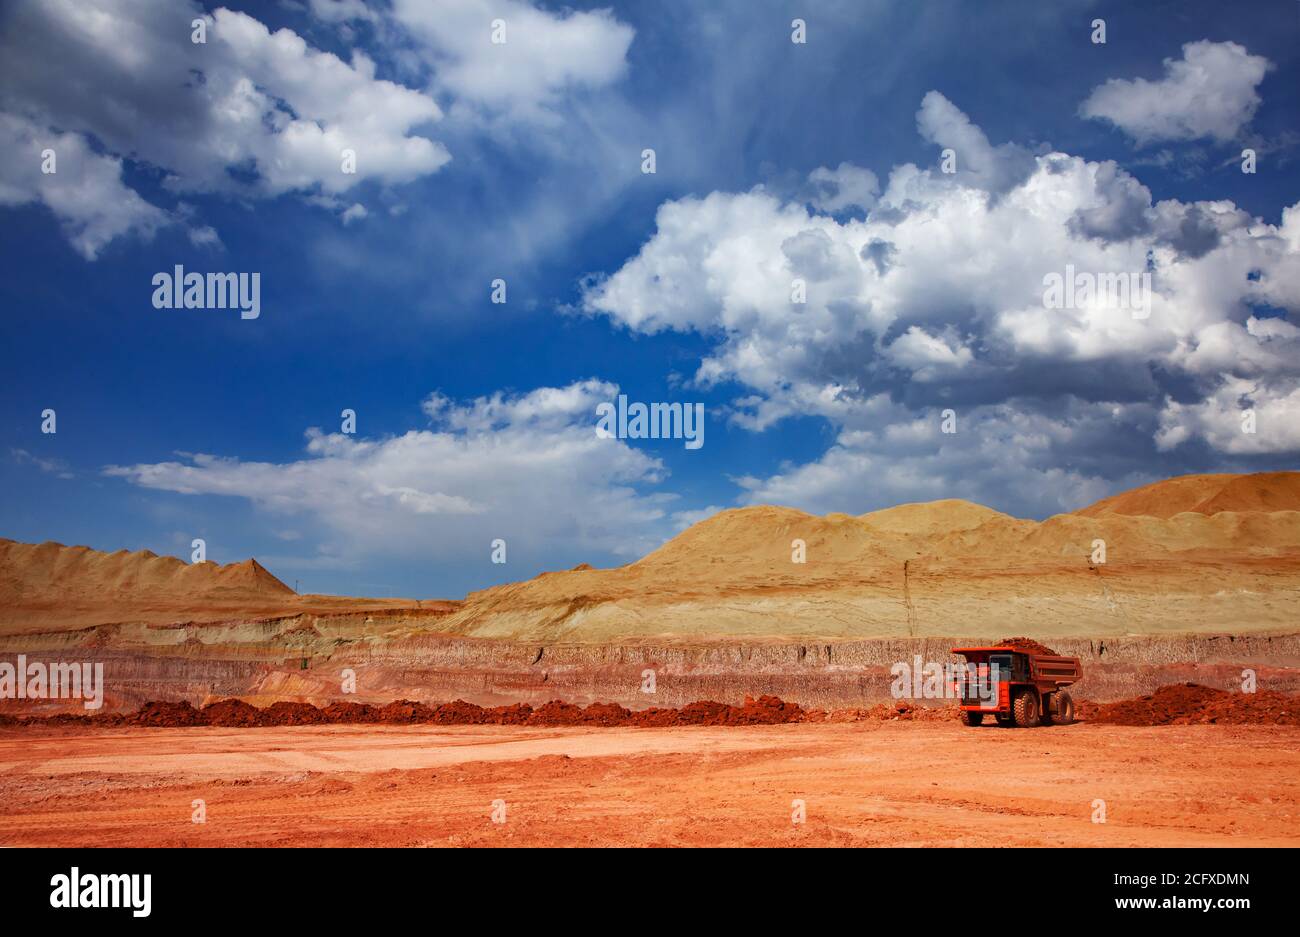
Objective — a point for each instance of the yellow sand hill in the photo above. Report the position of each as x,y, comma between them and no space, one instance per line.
1206,553
51,586
80,573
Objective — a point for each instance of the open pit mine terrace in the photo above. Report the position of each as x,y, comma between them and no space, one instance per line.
300,659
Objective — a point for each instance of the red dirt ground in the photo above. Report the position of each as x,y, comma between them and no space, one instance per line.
870,783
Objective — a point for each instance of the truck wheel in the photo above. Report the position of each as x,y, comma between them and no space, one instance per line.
1064,709
1026,710
972,718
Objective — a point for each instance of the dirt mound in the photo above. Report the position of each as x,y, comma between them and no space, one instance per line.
403,711
1205,494
346,713
156,713
557,713
766,710
515,714
232,713
1029,645
294,714
703,713
460,713
1193,704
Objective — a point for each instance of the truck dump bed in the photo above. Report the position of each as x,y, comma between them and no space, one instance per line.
1059,670
1049,671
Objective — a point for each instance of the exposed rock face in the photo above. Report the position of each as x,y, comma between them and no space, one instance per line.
434,668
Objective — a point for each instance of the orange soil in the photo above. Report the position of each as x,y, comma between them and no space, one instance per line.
863,784
1205,494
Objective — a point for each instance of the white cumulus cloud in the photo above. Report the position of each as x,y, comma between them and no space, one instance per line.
446,491
85,191
544,55
1211,92
942,285
248,112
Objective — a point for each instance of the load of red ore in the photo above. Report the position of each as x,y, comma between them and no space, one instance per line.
1028,645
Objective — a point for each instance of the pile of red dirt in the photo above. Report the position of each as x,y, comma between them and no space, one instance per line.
516,714
157,713
234,713
1193,704
460,713
339,712
1028,645
703,713
294,714
557,713
404,711
766,710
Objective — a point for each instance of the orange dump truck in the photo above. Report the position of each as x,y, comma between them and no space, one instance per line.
1018,687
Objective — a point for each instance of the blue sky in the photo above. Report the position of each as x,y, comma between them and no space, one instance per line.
523,161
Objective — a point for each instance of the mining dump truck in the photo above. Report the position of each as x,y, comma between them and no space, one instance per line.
1016,686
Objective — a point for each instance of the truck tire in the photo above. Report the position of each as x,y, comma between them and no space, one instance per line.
972,718
1025,710
1064,709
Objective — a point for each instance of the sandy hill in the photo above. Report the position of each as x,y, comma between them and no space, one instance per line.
41,570
1190,554
1205,494
932,517
50,585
